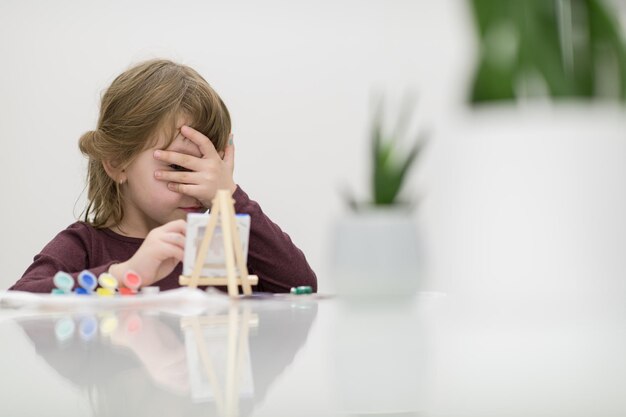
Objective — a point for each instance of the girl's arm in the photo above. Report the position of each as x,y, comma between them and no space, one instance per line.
272,256
82,247
70,251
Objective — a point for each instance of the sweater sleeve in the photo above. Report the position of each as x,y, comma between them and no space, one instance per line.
68,251
272,256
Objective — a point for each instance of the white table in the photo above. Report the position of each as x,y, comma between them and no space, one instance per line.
433,355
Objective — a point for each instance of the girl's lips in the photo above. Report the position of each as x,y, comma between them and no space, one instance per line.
191,209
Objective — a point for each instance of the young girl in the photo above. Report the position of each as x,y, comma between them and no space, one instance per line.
162,148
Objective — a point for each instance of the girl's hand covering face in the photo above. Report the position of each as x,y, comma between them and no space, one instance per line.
198,177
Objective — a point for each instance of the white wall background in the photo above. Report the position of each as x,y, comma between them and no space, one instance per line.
298,77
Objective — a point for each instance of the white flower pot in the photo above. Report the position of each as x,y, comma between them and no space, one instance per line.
375,252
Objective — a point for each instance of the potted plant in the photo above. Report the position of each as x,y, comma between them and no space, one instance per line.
375,248
377,268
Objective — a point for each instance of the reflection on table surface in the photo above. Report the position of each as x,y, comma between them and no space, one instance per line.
431,355
135,362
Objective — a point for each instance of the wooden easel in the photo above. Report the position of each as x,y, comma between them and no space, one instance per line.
223,210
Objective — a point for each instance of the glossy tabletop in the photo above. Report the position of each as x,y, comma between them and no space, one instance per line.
429,355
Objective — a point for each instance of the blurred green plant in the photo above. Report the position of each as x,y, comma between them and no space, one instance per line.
391,162
548,48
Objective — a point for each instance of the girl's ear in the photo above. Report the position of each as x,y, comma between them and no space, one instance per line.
114,172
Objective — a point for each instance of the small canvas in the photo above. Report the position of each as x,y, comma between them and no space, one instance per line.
215,261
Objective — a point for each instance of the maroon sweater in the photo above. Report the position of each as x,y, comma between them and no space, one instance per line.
272,256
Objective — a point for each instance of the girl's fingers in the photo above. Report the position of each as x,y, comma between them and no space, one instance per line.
173,251
178,226
192,190
199,192
176,239
229,154
171,247
183,177
207,149
190,162
178,188
178,253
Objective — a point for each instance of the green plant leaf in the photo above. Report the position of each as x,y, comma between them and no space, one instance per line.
570,47
411,158
389,168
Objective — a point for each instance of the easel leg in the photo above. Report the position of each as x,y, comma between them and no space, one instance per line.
241,262
233,289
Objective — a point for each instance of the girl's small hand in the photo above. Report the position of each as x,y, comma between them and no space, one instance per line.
157,256
202,176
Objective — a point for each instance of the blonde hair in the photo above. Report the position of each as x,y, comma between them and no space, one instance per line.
140,102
